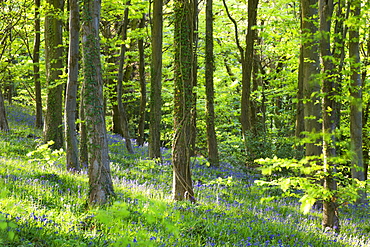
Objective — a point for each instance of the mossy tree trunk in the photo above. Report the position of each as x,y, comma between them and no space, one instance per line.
54,65
72,86
183,99
100,181
156,82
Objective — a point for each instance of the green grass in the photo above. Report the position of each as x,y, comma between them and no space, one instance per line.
43,205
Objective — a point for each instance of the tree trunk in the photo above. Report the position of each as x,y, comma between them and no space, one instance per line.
247,64
193,124
183,99
210,94
36,66
330,219
71,92
121,109
54,65
155,114
3,120
366,112
310,72
299,125
83,158
357,169
246,57
141,127
100,181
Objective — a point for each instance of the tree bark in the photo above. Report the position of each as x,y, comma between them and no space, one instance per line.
3,120
246,58
36,66
54,65
310,72
121,109
299,125
357,169
83,152
330,219
155,114
193,124
72,161
141,126
100,181
183,99
210,94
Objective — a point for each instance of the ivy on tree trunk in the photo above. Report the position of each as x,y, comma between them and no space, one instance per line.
183,100
100,181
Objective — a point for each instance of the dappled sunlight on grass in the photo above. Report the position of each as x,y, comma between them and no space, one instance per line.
43,205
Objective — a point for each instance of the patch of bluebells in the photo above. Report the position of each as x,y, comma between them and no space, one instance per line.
17,114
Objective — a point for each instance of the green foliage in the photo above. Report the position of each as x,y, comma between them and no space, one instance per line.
306,175
44,154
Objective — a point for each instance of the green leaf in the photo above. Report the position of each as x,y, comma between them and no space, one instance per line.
3,225
307,203
11,235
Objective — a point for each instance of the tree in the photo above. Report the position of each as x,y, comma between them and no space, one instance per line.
54,65
193,121
310,71
156,81
100,181
246,58
71,91
121,110
36,66
141,125
183,99
357,169
330,208
209,68
3,120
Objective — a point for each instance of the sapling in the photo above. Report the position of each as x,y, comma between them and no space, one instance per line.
306,184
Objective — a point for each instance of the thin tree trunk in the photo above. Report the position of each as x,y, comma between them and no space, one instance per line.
193,124
36,66
100,181
121,109
3,120
330,219
54,65
155,114
141,127
183,99
310,72
246,57
210,94
357,170
299,125
365,112
71,92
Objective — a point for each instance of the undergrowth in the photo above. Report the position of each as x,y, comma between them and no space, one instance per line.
43,205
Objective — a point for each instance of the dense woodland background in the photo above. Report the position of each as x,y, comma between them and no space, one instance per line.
275,89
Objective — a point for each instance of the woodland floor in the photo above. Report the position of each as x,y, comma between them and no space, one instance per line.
43,205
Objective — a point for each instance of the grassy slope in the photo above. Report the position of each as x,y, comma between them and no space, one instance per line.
42,205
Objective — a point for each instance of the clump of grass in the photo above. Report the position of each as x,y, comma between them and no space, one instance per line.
43,205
